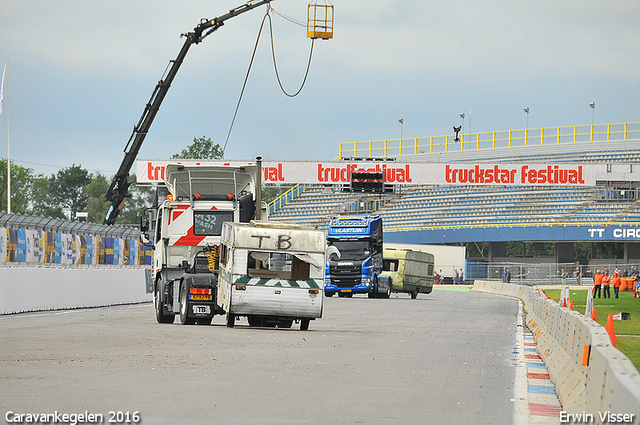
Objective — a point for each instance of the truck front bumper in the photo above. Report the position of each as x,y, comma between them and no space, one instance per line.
330,289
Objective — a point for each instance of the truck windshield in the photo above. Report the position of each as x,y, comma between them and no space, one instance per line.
209,223
354,249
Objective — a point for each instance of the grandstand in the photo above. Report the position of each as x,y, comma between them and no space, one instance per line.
434,213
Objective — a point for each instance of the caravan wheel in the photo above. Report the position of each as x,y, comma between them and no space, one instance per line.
231,320
304,324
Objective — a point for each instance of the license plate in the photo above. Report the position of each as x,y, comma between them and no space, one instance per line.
201,309
201,297
345,290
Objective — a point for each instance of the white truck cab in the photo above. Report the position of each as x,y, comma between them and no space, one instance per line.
186,236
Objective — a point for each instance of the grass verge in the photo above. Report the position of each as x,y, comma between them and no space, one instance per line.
630,345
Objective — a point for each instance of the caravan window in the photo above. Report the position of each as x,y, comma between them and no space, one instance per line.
390,265
276,265
224,253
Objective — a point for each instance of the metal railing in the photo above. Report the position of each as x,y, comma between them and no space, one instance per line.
286,197
491,140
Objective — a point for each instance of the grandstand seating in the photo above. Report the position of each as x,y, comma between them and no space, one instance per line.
467,206
458,206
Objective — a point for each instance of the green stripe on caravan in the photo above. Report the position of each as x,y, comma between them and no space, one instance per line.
247,280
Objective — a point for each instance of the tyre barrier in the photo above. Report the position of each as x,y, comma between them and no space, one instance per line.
591,376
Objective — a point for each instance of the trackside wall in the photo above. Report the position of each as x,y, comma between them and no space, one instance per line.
589,373
24,289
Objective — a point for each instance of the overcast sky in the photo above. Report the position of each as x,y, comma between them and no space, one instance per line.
81,72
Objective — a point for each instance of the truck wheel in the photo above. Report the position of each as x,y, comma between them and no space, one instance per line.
388,293
304,324
231,320
329,294
184,308
157,303
414,294
374,288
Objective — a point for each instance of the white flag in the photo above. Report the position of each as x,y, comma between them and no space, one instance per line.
2,88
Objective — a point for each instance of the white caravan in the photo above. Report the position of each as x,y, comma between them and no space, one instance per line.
272,273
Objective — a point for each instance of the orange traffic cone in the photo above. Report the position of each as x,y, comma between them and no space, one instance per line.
594,316
610,330
564,302
571,305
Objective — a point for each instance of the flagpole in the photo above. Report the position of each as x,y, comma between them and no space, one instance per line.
8,144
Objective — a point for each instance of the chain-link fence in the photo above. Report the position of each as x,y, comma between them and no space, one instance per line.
546,273
57,225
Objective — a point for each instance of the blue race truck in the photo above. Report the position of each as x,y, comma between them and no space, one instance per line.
355,262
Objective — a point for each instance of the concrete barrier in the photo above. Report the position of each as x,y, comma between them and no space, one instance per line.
24,289
590,374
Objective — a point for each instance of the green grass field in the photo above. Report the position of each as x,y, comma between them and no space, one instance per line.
629,345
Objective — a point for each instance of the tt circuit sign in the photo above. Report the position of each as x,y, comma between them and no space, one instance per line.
291,172
613,233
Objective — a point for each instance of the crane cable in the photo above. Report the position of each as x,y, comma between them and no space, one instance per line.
244,85
275,65
273,54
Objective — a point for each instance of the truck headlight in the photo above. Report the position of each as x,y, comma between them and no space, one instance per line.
327,281
366,281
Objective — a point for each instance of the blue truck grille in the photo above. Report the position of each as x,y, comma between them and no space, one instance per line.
345,276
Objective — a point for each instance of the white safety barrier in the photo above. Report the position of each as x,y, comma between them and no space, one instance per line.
24,289
589,373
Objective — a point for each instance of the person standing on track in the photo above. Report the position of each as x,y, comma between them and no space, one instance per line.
606,281
616,281
597,283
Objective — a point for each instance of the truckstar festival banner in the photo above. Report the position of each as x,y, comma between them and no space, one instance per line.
468,173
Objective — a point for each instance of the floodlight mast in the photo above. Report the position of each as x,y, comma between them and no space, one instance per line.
118,191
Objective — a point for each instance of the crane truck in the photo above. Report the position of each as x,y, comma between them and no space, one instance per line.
118,190
185,232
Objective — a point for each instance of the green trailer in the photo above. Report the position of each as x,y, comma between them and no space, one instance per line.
409,271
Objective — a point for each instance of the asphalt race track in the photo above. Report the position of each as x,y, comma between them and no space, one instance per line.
443,358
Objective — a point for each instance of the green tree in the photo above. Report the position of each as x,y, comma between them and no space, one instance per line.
97,207
141,198
201,148
42,202
68,189
21,182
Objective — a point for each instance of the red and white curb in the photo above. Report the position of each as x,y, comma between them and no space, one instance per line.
536,401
